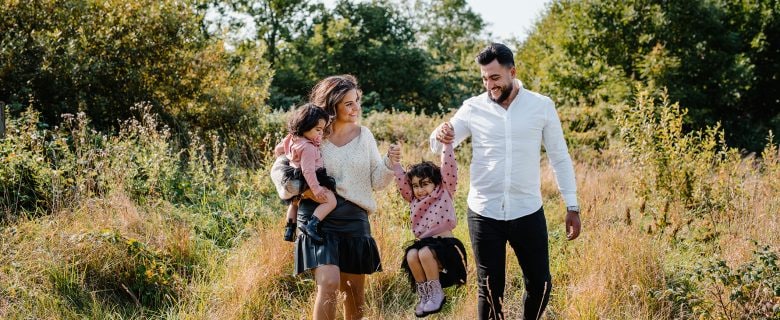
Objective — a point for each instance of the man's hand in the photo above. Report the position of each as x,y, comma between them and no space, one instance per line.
394,153
446,133
573,225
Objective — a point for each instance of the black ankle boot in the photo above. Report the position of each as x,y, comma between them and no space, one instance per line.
311,229
289,231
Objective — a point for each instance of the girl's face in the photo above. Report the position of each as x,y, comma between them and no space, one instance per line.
348,109
315,134
422,187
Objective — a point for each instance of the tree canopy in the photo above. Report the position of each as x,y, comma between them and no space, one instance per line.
103,57
719,59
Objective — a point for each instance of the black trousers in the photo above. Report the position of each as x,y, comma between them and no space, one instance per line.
528,237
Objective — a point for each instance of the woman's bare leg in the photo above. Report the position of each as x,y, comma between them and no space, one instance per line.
327,278
354,285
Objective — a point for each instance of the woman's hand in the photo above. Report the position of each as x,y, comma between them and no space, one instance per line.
394,153
308,194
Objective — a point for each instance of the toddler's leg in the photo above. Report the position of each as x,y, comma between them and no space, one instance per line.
326,207
311,229
416,268
436,297
292,211
289,228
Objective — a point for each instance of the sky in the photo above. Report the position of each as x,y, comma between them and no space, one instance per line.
505,18
508,18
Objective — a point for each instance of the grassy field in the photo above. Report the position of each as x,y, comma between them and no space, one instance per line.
133,226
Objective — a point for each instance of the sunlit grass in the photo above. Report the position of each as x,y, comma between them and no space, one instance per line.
204,241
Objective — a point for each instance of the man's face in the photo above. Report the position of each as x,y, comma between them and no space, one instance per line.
498,80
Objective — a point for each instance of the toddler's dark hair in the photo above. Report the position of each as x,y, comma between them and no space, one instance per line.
305,118
425,169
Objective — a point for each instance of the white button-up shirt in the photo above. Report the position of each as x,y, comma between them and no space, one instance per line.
505,180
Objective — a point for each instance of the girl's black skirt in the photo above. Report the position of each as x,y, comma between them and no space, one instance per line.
451,255
347,243
291,173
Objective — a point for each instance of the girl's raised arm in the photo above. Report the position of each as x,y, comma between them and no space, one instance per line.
403,183
449,169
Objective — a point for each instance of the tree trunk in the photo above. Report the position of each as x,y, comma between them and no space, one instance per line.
2,120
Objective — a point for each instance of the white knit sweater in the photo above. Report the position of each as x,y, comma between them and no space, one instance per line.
359,169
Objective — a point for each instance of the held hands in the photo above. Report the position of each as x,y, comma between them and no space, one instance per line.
446,133
573,225
394,153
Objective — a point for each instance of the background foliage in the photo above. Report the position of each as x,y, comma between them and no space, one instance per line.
133,177
718,59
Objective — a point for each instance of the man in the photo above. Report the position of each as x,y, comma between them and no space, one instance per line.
508,125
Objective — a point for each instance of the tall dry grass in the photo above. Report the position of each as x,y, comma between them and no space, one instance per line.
198,237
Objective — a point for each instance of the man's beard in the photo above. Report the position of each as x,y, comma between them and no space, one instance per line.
504,94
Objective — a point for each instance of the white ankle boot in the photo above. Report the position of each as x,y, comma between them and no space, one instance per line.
436,297
422,293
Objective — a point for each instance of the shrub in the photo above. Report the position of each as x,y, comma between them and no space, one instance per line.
38,169
695,170
715,290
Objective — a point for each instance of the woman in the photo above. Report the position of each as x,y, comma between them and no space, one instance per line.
350,154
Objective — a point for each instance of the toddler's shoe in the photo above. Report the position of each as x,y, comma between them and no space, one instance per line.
436,297
311,229
289,231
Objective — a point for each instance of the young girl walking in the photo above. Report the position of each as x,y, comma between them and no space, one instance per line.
436,259
302,147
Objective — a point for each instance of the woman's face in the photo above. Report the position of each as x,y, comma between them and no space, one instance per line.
348,109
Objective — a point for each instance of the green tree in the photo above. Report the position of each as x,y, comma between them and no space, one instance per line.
276,21
374,42
450,32
586,53
104,56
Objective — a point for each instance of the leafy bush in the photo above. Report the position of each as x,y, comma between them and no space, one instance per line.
696,169
38,169
715,290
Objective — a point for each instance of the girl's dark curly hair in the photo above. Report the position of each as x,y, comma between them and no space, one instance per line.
305,118
425,169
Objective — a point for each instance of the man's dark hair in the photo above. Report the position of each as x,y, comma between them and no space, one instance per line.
305,118
425,169
496,51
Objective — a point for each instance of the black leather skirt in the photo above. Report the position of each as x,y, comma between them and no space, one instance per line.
347,240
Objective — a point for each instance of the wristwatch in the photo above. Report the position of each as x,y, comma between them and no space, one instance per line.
573,208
